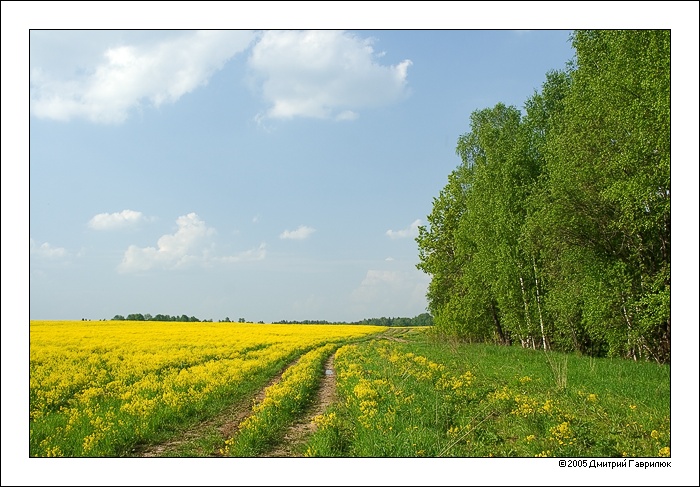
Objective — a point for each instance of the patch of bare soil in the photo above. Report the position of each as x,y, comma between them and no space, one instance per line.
305,426
395,334
225,424
300,430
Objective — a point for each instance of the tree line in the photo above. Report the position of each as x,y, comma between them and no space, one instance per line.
158,317
555,229
424,319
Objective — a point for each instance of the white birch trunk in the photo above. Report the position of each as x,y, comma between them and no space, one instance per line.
539,307
527,311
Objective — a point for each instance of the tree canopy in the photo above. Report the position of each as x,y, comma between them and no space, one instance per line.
555,229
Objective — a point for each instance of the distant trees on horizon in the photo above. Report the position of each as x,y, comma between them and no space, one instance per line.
423,319
158,317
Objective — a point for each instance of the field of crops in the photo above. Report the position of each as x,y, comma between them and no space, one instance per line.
102,389
99,388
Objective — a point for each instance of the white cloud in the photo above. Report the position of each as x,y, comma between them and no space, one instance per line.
347,115
300,233
395,293
411,231
323,74
377,278
46,250
191,244
246,256
104,90
112,221
187,245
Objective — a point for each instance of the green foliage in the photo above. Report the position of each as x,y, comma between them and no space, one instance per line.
99,426
283,402
555,229
158,317
609,188
425,397
423,319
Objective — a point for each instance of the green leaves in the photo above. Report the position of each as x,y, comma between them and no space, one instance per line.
556,226
609,167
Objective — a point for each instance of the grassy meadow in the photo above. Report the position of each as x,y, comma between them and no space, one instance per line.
101,389
426,398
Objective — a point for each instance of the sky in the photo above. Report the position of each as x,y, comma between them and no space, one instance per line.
275,174
262,175
265,175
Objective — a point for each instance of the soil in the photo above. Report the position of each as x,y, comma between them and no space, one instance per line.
228,420
305,426
225,424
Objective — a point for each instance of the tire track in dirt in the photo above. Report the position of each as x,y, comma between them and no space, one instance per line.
225,424
326,395
301,429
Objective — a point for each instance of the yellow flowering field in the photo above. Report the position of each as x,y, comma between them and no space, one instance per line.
282,402
99,388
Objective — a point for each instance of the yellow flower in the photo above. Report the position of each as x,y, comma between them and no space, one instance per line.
592,397
547,406
655,434
501,395
54,452
665,452
325,420
561,433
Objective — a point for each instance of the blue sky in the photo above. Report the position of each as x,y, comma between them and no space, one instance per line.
239,175
266,175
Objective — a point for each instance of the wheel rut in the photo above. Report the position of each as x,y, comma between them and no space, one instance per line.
225,424
301,429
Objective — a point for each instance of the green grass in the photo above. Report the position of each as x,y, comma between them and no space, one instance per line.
283,402
430,398
68,436
407,394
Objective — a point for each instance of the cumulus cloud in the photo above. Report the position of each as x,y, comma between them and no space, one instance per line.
411,231
300,233
323,74
187,245
46,250
113,221
376,278
105,89
397,293
191,244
